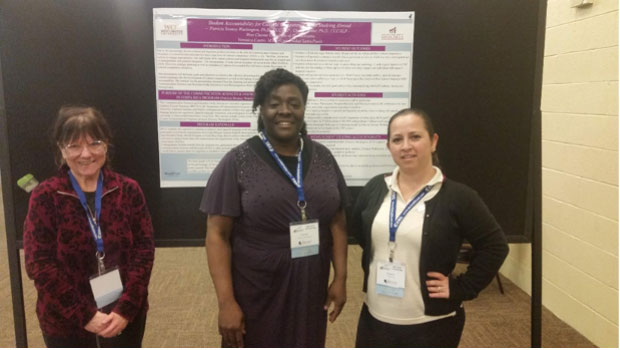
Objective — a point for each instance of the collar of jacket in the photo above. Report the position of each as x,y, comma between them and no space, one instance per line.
110,182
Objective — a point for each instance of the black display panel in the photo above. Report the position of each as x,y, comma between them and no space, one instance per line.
473,71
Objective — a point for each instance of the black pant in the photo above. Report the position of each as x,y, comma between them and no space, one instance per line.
442,333
130,337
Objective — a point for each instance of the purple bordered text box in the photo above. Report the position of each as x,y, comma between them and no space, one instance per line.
348,136
348,94
215,124
352,48
278,32
216,46
206,95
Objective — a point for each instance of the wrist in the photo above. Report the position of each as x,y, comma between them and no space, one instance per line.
340,277
226,302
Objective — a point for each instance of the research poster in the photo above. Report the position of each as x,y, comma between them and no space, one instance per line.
357,65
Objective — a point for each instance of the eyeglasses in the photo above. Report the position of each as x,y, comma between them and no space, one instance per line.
95,147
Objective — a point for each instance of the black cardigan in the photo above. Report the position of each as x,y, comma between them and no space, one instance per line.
455,213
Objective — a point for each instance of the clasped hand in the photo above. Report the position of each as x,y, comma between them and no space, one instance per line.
106,325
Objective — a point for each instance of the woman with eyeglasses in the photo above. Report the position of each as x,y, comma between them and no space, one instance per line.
88,241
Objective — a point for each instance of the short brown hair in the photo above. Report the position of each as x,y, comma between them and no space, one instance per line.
75,121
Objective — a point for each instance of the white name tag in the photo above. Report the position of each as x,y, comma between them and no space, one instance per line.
107,288
304,238
391,279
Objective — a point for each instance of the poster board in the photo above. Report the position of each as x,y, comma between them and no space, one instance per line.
357,66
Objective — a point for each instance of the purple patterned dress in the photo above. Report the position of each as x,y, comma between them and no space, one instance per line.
282,298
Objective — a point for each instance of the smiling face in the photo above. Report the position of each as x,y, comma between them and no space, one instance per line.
410,144
85,156
282,113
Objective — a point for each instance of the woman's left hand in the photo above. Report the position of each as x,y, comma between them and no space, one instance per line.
336,294
116,324
438,286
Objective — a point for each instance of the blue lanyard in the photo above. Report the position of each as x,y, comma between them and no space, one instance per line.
93,223
395,222
297,182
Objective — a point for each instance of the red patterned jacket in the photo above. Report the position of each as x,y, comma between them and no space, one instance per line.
60,251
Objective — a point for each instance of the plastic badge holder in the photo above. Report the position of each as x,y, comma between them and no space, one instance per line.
27,182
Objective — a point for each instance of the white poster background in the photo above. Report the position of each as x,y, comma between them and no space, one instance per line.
357,66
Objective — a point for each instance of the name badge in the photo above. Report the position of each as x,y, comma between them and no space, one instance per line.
107,287
391,279
304,238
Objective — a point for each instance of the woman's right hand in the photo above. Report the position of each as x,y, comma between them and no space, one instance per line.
231,323
97,323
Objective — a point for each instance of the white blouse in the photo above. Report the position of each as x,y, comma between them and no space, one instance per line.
409,309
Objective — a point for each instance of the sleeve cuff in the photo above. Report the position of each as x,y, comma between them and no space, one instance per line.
126,309
88,312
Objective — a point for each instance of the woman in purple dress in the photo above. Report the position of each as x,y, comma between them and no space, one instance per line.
275,208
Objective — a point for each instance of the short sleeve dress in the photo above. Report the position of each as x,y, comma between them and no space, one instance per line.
282,298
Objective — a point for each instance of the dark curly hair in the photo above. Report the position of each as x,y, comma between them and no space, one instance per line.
272,80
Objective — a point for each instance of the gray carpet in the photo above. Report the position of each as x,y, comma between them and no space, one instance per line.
184,309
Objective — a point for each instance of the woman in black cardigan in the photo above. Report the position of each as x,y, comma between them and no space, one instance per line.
411,224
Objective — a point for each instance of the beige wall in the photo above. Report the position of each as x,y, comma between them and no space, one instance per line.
580,171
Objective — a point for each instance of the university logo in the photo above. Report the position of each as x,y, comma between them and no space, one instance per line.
171,30
392,35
